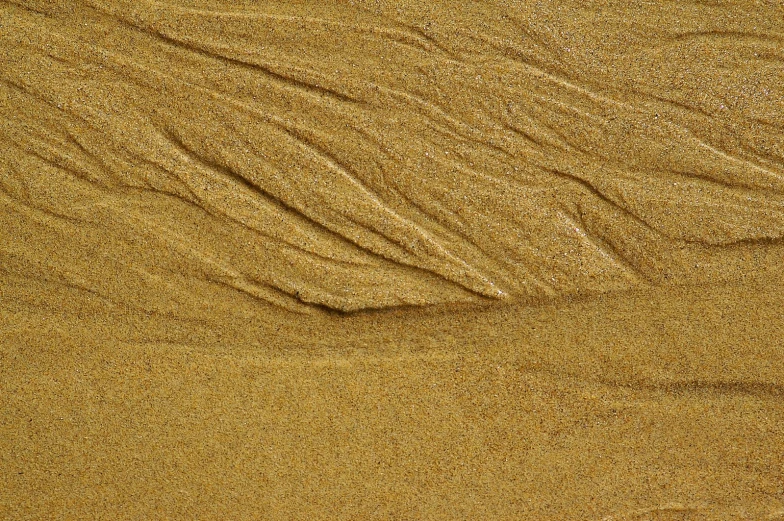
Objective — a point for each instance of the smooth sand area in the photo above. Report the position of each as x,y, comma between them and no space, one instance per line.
391,260
655,405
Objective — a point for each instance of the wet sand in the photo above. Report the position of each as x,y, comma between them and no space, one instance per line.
378,260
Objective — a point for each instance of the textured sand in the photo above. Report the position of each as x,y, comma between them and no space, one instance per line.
391,260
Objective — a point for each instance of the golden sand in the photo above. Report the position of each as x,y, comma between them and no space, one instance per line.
391,260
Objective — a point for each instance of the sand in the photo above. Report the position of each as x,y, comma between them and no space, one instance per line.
391,260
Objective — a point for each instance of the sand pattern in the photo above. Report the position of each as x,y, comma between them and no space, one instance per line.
376,259
372,156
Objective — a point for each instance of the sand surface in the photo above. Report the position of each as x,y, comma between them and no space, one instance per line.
391,260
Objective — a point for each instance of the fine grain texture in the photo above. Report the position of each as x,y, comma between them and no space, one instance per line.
391,260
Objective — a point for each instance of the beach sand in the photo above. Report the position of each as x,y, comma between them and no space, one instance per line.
391,260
